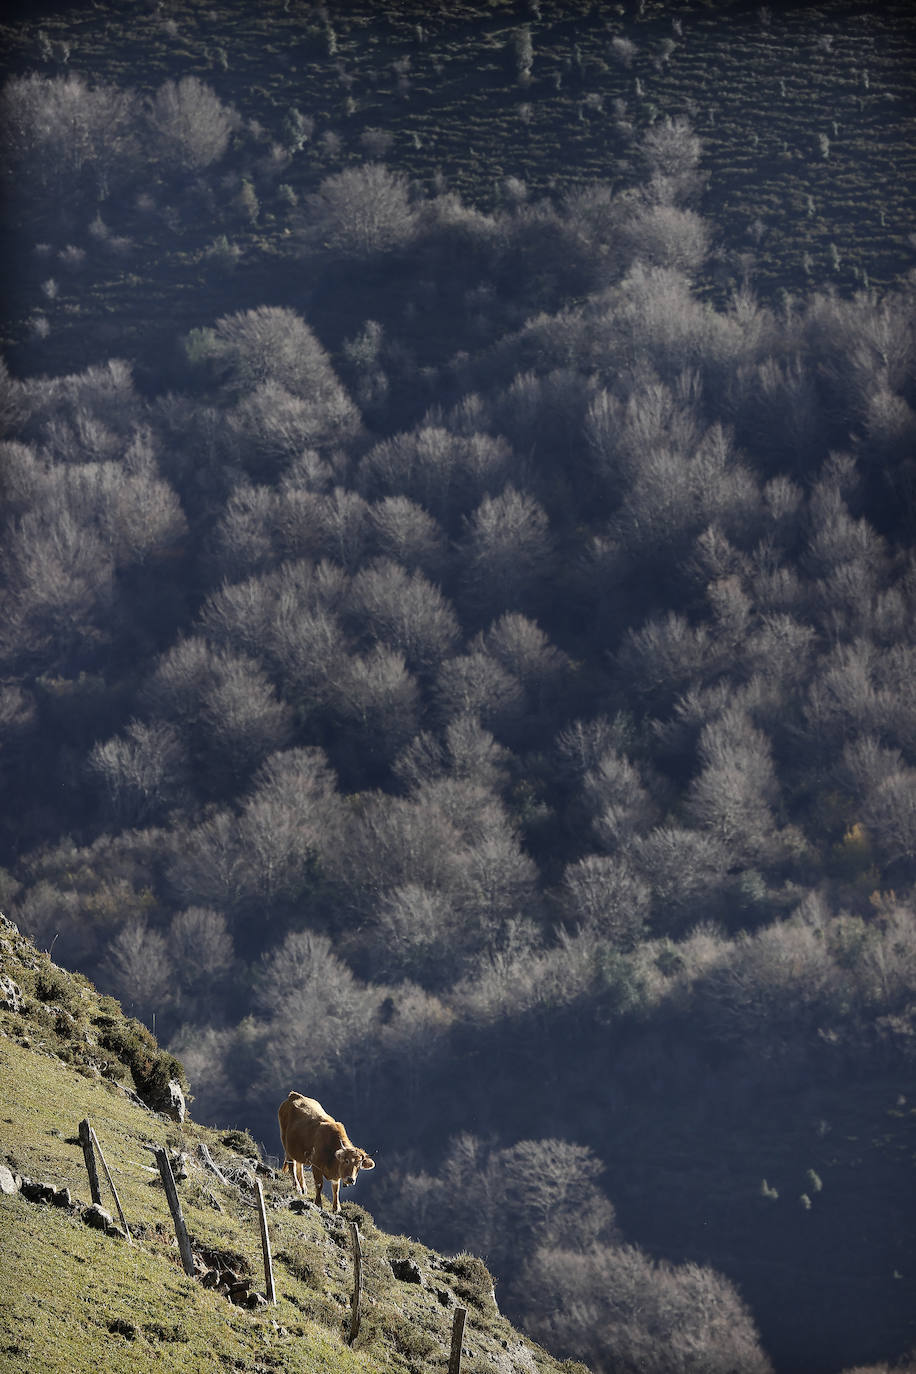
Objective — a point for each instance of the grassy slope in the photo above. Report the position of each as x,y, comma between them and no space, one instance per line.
73,1299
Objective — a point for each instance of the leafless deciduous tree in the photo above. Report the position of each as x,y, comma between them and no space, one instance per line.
605,895
61,133
507,554
362,211
667,236
407,533
189,125
671,151
405,611
318,1013
626,1313
138,968
267,344
142,773
444,473
736,791
685,870
475,684
619,801
548,1185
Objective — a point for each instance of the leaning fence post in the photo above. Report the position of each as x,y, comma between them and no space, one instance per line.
357,1300
265,1244
86,1134
95,1141
207,1158
171,1192
454,1362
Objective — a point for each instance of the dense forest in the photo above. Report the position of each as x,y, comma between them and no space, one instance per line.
458,622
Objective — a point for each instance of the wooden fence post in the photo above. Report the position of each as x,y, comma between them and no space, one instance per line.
207,1158
357,1299
95,1141
171,1192
85,1134
265,1244
454,1362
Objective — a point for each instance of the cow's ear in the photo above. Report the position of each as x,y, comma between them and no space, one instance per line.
367,1163
340,1156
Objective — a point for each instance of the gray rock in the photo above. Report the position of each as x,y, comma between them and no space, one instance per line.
256,1300
7,1181
407,1270
62,1197
96,1217
176,1107
11,996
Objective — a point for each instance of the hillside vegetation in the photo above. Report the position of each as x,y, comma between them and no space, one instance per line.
77,1299
458,494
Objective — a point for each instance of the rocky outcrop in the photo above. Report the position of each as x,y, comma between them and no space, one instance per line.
11,997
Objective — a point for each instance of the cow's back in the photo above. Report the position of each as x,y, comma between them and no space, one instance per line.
300,1122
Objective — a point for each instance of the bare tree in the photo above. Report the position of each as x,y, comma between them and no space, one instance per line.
404,611
271,426
206,863
664,657
362,211
685,870
671,151
444,473
734,795
142,773
138,969
409,535
667,236
379,701
62,135
889,812
190,126
202,956
475,684
507,554
317,1010
605,895
290,823
626,1313
619,801
270,344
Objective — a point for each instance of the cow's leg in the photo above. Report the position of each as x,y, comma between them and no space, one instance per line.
299,1176
318,1176
335,1190
293,1169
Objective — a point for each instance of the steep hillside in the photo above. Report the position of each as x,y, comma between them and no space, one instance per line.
458,629
76,1298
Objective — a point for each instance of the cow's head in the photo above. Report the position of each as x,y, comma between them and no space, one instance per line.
350,1160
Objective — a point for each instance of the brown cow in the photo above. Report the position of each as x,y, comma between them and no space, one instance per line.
312,1137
